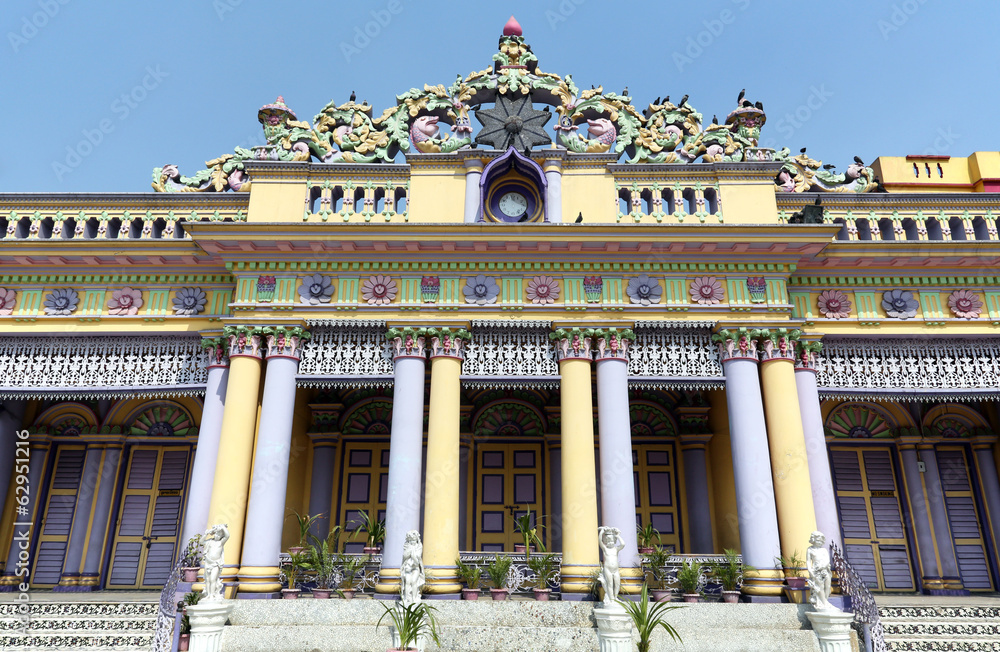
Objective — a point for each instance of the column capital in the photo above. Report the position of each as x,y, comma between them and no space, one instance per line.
325,421
407,342
572,343
612,343
693,440
217,349
737,344
472,165
777,343
448,342
284,341
693,420
805,355
244,341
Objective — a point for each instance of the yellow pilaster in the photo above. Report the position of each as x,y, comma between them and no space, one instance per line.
231,487
726,525
579,474
441,493
789,466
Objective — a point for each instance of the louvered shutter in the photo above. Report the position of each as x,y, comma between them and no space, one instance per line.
963,519
47,564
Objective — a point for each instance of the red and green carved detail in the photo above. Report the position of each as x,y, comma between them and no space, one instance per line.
164,421
858,422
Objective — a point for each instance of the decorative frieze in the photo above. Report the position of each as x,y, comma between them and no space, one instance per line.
675,354
346,352
502,349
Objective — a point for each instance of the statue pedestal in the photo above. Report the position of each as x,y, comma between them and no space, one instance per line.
614,628
207,620
833,628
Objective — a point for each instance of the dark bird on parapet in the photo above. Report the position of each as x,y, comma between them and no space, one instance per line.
818,202
579,218
829,166
353,96
858,161
546,109
524,218
739,98
683,101
759,105
656,102
715,119
625,92
746,104
803,150
666,99
592,87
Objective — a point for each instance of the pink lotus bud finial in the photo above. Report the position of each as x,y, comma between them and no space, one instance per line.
512,28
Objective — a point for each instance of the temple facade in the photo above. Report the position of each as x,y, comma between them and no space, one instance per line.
504,295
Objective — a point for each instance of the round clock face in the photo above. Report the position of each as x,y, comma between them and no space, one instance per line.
513,204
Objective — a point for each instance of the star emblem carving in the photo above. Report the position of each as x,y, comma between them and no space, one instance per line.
513,123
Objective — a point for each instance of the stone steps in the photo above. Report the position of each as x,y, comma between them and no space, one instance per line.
932,628
483,626
63,625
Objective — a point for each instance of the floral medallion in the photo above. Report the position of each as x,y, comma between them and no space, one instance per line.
61,302
543,290
965,304
8,298
189,301
706,291
481,290
378,290
316,289
899,304
124,302
834,304
643,290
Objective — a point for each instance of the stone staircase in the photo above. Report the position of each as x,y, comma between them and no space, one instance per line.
958,628
68,625
308,625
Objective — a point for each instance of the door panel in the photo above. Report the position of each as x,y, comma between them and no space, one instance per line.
655,495
57,518
363,487
871,517
963,519
508,482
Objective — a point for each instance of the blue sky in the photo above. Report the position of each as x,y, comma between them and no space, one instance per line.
97,93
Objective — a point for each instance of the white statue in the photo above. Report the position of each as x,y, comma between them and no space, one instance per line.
411,571
212,560
818,563
611,580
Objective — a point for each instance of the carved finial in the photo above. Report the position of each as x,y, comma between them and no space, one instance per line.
512,28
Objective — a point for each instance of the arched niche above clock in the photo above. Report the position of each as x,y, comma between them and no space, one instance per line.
512,189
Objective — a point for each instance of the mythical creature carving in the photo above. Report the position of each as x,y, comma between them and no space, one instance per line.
666,127
805,174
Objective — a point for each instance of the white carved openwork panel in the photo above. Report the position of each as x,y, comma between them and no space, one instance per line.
64,364
346,349
510,349
680,352
922,366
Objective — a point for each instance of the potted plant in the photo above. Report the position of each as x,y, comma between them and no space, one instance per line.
689,580
305,524
470,575
376,533
544,567
293,569
412,622
729,572
526,526
646,535
191,559
656,565
647,617
497,571
794,567
324,562
350,565
184,640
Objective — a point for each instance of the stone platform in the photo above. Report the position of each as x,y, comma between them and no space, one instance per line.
308,625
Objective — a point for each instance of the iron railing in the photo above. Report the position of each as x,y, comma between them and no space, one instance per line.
866,619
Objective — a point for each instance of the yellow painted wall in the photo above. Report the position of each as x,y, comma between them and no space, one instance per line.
957,173
299,470
748,203
591,192
720,454
436,195
277,201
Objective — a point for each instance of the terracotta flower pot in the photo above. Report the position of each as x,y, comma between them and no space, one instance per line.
796,583
372,550
645,551
662,595
348,593
470,594
322,594
730,597
498,594
519,549
294,550
189,574
290,594
542,595
692,597
183,642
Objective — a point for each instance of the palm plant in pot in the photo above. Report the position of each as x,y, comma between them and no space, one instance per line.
527,527
647,617
645,536
350,565
655,563
412,623
794,568
305,522
729,573
544,567
470,575
323,562
293,569
689,580
497,572
376,533
191,559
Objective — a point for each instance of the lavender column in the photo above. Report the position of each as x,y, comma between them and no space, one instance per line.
615,447
820,477
69,579
10,422
321,482
695,454
266,506
209,432
939,517
23,524
755,507
981,446
930,574
102,515
406,442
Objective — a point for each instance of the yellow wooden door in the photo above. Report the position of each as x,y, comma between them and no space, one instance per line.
508,483
655,491
57,519
363,487
871,517
963,518
149,516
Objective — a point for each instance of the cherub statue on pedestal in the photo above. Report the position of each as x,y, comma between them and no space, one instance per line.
610,578
820,576
212,560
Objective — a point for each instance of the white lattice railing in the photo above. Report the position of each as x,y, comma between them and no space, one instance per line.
345,352
504,350
679,352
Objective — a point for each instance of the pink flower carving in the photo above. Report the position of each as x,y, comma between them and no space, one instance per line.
543,290
125,301
378,290
7,299
965,304
706,291
834,304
